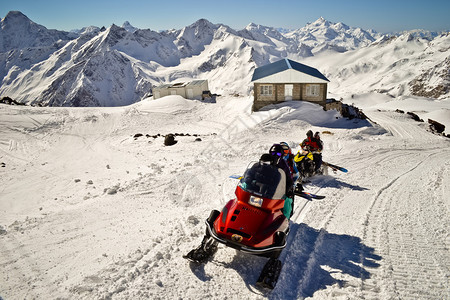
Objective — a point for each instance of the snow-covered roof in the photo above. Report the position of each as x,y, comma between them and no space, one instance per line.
196,82
163,86
291,69
181,84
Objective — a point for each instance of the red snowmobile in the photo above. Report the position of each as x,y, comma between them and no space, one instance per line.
253,222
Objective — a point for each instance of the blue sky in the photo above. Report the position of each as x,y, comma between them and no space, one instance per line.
380,15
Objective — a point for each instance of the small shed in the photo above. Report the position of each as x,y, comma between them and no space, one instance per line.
287,80
189,90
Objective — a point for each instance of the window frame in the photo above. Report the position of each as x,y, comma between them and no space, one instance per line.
266,90
313,90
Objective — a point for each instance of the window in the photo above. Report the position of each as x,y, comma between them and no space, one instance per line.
266,90
313,90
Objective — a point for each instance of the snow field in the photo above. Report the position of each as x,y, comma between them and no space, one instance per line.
88,211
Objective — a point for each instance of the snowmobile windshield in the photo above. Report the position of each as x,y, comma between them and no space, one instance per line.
264,180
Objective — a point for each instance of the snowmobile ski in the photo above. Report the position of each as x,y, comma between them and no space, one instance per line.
335,167
204,252
309,196
270,273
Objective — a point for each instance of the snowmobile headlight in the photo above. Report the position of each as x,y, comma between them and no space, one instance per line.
255,201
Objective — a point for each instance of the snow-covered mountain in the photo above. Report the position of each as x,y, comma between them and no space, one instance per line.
119,65
128,27
323,35
24,43
397,66
18,32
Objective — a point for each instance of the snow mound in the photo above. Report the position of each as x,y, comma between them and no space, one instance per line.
425,108
168,104
368,100
441,115
309,114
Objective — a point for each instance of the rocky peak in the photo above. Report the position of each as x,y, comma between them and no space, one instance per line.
114,34
17,31
128,27
321,22
15,17
251,26
202,23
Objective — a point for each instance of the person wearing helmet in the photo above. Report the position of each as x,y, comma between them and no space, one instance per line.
277,152
266,158
288,156
315,146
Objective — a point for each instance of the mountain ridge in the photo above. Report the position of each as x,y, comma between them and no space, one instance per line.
118,65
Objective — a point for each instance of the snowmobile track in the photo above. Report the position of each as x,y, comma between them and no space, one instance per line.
414,261
305,245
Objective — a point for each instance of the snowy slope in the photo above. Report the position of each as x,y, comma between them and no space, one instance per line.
396,66
24,43
88,211
325,35
18,32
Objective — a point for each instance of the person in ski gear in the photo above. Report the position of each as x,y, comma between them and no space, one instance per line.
314,146
288,156
319,141
318,156
277,152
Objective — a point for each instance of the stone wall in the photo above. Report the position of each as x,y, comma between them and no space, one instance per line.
278,96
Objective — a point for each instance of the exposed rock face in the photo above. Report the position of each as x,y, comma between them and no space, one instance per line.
436,126
434,82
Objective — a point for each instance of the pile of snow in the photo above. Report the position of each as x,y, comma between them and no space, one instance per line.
168,104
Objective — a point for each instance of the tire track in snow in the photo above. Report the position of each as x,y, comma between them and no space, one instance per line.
414,259
402,130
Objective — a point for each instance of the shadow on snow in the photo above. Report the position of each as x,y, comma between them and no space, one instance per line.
312,260
315,259
315,115
333,182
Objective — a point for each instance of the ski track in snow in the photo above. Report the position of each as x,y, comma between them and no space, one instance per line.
380,233
414,257
429,278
